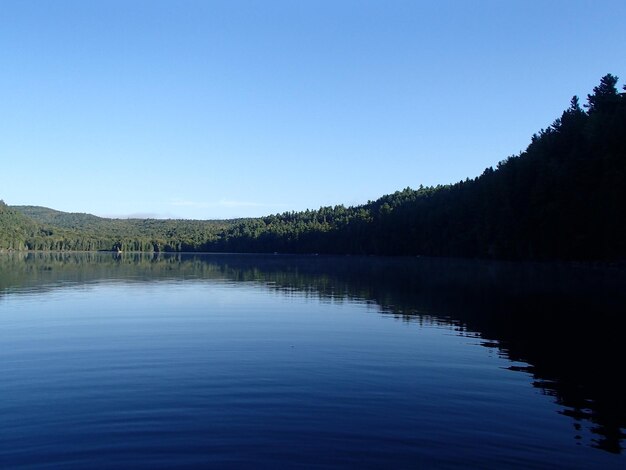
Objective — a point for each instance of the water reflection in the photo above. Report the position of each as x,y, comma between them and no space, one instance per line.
562,323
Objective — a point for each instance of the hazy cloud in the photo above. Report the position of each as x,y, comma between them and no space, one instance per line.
220,203
137,215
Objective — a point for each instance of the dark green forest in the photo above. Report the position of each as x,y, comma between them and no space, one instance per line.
562,198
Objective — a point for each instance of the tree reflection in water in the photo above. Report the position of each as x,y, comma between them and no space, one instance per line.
564,321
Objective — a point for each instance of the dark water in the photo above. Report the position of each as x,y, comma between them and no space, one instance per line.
274,361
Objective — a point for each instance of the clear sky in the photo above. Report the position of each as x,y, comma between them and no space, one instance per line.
207,109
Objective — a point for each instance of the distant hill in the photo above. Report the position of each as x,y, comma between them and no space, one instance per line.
563,198
80,231
69,220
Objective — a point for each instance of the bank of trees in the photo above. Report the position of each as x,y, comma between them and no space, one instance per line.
564,197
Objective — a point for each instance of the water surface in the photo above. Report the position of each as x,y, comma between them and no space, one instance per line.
264,361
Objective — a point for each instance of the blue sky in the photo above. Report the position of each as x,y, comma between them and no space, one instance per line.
200,109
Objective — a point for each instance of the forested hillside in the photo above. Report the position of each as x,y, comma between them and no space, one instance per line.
15,229
564,197
86,232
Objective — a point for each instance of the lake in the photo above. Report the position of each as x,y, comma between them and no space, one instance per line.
160,361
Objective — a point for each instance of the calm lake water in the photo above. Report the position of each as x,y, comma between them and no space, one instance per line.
231,361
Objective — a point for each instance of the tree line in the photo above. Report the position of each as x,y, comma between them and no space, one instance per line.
564,197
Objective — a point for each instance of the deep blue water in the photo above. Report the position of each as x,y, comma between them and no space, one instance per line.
235,361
